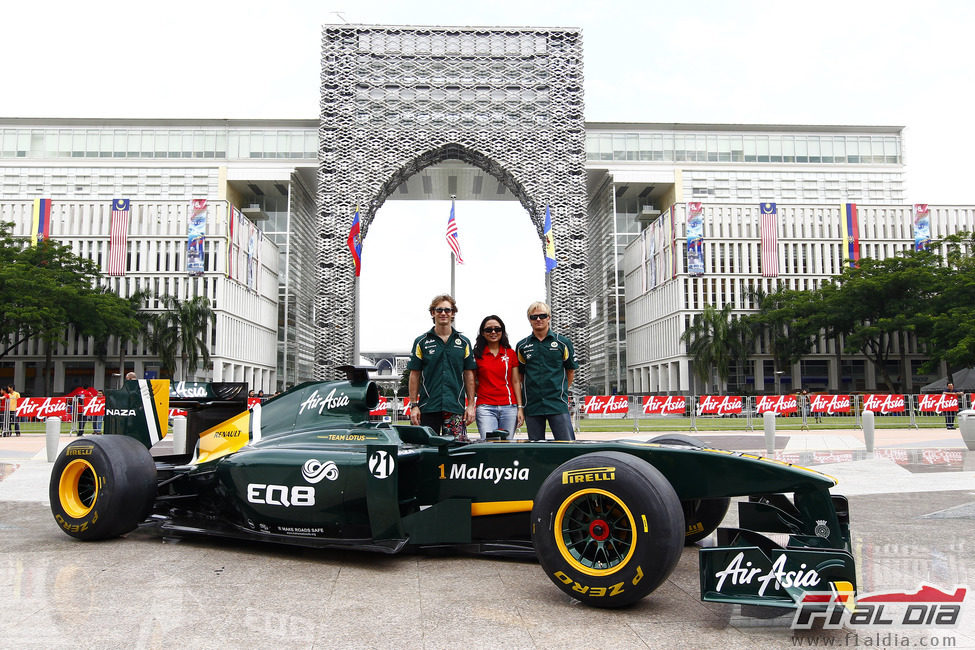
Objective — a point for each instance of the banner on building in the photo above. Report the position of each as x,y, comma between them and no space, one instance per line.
769,232
672,242
254,236
40,221
851,235
196,229
118,236
922,226
237,233
643,260
695,238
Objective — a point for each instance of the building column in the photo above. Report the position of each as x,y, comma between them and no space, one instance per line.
679,377
19,376
57,386
99,383
758,369
833,369
869,375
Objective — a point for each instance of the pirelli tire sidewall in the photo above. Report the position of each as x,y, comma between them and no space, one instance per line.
102,486
647,516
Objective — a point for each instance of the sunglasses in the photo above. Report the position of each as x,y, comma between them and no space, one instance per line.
492,330
443,310
537,316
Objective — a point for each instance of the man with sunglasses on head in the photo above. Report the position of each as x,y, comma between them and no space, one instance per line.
547,363
441,374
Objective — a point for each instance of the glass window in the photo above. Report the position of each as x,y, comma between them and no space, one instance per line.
775,149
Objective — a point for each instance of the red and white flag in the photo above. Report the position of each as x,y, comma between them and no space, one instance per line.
452,239
770,240
117,237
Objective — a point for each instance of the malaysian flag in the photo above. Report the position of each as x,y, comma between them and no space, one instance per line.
770,240
452,239
117,237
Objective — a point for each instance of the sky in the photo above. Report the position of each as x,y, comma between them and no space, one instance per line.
852,62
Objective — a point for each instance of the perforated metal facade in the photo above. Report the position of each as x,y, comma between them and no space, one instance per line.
396,100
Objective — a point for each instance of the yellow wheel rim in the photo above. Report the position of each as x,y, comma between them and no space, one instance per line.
78,488
595,532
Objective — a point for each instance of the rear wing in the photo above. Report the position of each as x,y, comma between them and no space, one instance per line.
140,409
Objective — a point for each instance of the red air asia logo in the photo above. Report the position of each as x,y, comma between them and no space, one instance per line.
381,408
605,404
406,406
43,407
829,404
778,404
938,403
884,403
720,405
94,406
664,404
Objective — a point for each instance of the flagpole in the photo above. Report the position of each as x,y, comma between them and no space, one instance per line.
453,258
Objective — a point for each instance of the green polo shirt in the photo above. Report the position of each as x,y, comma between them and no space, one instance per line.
441,367
543,365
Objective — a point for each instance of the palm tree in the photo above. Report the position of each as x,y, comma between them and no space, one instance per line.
714,339
180,332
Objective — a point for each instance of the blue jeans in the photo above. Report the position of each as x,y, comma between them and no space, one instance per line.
561,424
491,418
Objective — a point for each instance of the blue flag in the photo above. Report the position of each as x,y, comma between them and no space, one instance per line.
550,261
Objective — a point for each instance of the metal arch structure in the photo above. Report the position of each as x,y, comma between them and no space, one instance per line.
396,100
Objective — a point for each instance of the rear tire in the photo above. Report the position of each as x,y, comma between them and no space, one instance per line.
701,516
607,528
102,487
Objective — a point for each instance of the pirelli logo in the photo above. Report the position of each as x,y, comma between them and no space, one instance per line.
589,475
79,451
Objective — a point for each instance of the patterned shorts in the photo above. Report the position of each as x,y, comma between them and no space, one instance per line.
453,424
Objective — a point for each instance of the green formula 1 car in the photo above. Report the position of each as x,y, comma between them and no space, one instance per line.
606,520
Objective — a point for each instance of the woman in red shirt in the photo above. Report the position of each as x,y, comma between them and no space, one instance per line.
497,382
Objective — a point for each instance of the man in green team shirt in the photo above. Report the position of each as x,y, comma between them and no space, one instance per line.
441,374
547,363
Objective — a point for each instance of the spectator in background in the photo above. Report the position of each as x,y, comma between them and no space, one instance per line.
949,415
130,375
96,420
12,397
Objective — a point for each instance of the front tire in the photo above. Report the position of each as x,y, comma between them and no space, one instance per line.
607,528
102,486
701,516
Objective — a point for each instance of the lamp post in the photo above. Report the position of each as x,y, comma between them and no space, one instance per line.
778,382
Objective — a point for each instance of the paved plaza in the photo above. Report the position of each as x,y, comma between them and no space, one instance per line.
912,509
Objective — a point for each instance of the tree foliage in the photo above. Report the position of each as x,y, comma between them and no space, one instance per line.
715,339
46,291
178,334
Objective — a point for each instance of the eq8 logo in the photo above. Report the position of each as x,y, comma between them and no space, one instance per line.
929,606
281,495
